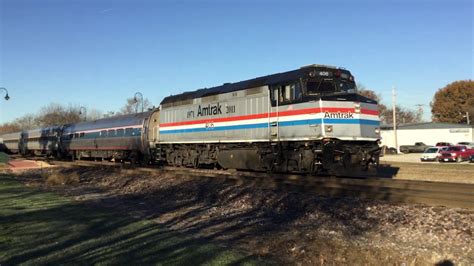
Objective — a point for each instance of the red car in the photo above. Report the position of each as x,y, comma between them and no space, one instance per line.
455,154
443,144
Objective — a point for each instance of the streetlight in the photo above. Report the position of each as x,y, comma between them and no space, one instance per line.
136,101
6,96
83,112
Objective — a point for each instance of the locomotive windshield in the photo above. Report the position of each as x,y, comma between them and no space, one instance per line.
329,86
331,81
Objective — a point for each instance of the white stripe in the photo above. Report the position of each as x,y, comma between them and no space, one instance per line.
98,130
266,120
265,140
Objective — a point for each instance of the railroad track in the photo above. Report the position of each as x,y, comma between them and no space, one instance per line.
371,188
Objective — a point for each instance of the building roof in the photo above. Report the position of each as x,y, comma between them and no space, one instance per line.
427,125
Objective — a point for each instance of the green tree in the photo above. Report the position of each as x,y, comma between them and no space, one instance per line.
451,103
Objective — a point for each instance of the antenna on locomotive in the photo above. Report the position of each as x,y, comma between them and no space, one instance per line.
318,65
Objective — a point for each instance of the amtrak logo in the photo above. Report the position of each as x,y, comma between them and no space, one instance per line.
209,110
338,115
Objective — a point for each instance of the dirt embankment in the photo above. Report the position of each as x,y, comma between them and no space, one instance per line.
277,223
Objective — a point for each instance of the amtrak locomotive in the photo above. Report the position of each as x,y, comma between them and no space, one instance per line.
308,120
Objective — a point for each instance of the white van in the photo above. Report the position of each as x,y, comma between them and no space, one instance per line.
431,154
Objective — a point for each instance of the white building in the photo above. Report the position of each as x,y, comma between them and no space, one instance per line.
428,133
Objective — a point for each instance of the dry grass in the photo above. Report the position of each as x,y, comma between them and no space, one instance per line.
58,178
439,172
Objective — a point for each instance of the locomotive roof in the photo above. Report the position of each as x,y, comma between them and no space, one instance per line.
251,83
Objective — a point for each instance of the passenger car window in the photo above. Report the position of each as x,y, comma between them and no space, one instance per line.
119,132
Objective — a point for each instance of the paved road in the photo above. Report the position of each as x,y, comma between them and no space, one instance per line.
19,164
409,158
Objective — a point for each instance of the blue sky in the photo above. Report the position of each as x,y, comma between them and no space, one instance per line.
98,53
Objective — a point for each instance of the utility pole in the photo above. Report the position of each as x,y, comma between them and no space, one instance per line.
394,113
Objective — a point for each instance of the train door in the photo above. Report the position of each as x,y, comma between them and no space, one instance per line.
22,144
151,135
273,114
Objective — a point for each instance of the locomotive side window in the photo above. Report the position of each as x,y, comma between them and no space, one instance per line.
293,92
274,96
103,133
129,131
111,133
286,94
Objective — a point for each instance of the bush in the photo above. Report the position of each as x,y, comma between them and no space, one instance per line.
58,178
4,158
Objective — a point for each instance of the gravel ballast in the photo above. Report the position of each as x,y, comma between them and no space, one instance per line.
278,224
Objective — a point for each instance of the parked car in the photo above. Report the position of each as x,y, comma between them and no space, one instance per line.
418,147
470,145
387,150
431,154
443,144
455,154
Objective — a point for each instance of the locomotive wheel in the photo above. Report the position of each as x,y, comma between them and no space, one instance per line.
195,162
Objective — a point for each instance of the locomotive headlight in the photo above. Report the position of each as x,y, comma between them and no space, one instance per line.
377,130
328,128
357,108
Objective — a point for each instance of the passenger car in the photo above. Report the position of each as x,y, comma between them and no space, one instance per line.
418,147
455,154
443,144
431,154
470,145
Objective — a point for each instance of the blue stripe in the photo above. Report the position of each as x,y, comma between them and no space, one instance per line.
282,124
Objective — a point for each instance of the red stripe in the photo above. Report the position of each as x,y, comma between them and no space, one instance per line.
369,112
265,115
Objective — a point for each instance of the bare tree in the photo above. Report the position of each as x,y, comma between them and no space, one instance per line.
26,122
9,128
94,114
133,106
57,114
404,116
110,114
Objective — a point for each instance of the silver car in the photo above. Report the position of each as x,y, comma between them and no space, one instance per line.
469,145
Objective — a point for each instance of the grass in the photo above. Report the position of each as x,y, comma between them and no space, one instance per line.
3,160
38,227
441,172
